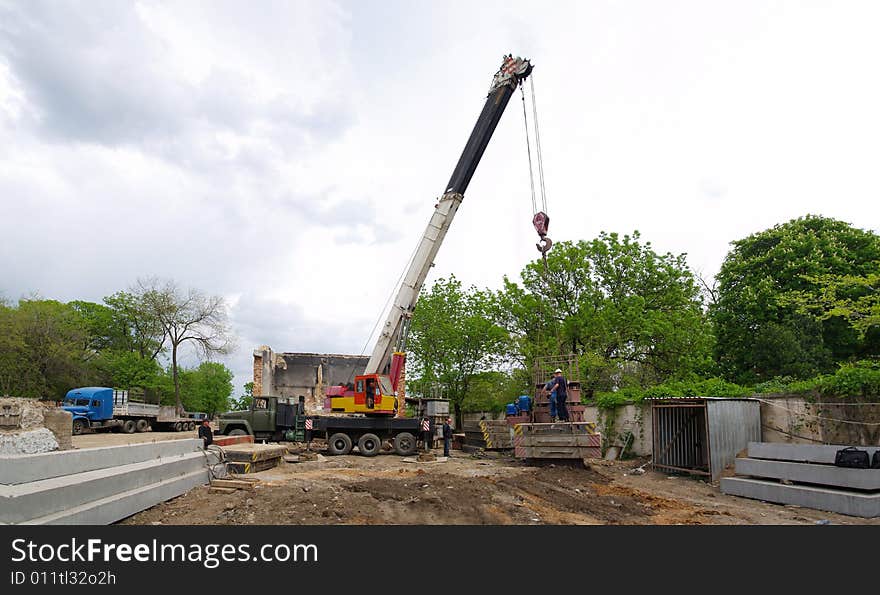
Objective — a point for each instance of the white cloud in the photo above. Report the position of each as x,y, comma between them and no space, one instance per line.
288,154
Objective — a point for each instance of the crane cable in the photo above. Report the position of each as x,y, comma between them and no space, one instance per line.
540,219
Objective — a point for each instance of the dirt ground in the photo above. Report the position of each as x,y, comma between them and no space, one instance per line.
474,490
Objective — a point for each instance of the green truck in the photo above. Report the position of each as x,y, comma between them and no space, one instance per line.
277,419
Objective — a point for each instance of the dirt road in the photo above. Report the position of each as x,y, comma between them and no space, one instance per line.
470,490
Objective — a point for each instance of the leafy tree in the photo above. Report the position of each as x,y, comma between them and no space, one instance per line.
210,388
243,402
631,315
185,317
854,298
761,331
452,339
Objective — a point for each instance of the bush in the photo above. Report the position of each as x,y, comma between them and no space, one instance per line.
673,389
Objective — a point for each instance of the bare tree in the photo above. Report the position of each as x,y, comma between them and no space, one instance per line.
186,316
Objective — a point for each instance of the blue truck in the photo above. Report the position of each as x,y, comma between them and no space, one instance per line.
100,408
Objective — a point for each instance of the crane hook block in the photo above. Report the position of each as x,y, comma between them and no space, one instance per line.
544,245
541,221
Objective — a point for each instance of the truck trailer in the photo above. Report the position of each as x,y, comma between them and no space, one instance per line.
100,408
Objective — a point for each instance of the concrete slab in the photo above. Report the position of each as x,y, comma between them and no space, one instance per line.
25,468
21,502
119,506
827,475
807,453
819,498
252,453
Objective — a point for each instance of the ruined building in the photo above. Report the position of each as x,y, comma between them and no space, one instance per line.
294,374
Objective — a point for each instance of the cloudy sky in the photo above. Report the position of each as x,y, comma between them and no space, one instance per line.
287,155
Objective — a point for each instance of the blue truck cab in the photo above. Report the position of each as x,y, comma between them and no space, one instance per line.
89,406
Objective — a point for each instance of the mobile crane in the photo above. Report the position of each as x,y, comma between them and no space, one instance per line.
372,395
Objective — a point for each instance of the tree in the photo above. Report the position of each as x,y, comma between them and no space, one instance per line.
761,331
452,339
854,298
189,316
243,403
634,317
207,388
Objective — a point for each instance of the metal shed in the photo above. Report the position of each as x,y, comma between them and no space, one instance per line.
702,435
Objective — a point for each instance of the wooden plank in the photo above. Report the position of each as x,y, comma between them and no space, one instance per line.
232,483
216,490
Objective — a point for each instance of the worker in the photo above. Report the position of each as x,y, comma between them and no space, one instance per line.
205,433
560,390
371,393
551,398
447,435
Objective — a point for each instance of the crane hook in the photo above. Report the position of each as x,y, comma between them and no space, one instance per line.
544,245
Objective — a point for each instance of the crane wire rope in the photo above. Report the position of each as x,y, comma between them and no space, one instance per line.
382,312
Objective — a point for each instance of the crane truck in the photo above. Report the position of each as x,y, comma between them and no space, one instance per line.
364,413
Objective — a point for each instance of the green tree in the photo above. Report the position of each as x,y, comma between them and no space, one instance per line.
186,317
761,332
854,298
452,339
243,402
210,388
634,317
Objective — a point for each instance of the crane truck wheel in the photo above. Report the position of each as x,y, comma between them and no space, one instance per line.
128,426
142,425
78,427
339,444
369,445
405,444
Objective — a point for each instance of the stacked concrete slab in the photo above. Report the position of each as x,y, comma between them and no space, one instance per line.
252,458
560,440
97,486
805,475
489,434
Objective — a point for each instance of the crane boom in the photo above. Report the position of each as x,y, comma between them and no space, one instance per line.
512,72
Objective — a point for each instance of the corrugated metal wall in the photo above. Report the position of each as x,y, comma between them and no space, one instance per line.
732,425
680,441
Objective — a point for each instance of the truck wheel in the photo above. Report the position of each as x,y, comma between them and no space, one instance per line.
339,444
237,432
128,426
142,425
78,427
405,444
369,445
178,426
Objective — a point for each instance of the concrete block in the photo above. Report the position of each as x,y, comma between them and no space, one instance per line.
25,468
60,423
826,475
819,498
807,453
119,506
22,502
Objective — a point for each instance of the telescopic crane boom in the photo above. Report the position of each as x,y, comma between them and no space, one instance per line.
392,339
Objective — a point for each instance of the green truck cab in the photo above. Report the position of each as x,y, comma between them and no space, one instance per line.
268,418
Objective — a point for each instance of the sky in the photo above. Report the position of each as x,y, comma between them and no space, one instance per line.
288,155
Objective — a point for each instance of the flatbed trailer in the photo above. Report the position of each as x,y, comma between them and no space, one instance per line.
368,434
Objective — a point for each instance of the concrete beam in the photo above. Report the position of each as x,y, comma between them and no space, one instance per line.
829,499
25,468
119,506
807,453
23,502
826,475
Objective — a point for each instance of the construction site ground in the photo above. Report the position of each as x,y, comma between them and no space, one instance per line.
486,488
